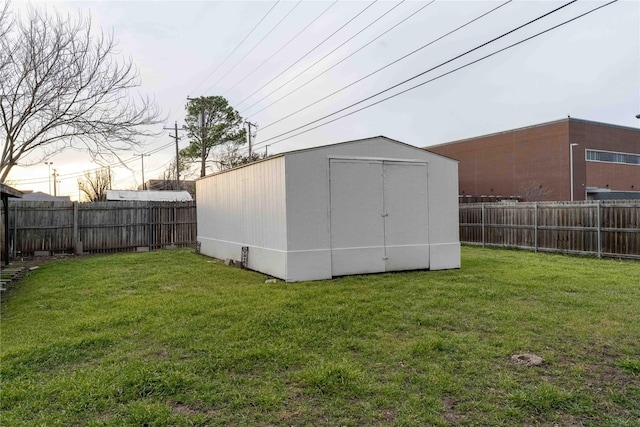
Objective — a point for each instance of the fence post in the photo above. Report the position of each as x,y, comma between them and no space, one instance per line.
483,242
149,227
599,230
15,230
174,238
75,227
535,227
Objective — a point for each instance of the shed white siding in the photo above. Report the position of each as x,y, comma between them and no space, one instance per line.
245,207
357,207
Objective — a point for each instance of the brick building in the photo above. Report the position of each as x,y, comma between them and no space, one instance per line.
534,163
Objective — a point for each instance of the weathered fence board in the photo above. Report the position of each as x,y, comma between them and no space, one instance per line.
100,227
602,228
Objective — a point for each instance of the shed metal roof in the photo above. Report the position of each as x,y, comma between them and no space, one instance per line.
321,147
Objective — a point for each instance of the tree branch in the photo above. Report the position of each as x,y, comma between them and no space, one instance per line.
61,84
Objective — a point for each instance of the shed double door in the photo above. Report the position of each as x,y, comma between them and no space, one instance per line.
379,216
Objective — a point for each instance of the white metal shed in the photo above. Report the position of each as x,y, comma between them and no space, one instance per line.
149,196
364,206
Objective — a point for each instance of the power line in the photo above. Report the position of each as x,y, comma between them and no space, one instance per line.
308,52
237,46
156,150
282,47
155,169
254,47
29,181
378,70
428,70
271,56
328,54
436,78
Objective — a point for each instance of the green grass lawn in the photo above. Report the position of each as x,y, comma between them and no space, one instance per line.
175,338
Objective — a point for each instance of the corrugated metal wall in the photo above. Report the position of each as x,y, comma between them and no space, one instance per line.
245,206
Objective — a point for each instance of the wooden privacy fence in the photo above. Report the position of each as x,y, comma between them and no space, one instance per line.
602,228
57,227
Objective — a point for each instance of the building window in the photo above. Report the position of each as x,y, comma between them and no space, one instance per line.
612,157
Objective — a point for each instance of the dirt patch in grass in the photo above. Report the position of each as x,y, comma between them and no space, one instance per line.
607,377
288,416
527,359
450,414
567,420
33,261
188,411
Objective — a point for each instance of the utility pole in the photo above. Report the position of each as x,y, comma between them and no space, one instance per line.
49,164
144,184
249,124
175,135
55,182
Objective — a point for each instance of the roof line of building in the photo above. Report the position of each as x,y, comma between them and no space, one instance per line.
317,147
566,119
8,191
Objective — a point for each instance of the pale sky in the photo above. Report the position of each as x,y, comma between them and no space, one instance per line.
588,68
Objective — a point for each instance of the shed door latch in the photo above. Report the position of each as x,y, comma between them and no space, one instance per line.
384,214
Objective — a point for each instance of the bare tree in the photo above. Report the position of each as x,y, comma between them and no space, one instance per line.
5,20
62,86
6,23
95,186
231,157
532,191
169,173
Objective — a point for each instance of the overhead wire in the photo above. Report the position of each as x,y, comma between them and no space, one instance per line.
286,44
327,55
264,143
428,70
254,47
282,47
435,78
42,180
413,52
80,174
237,46
266,60
308,52
341,61
412,78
